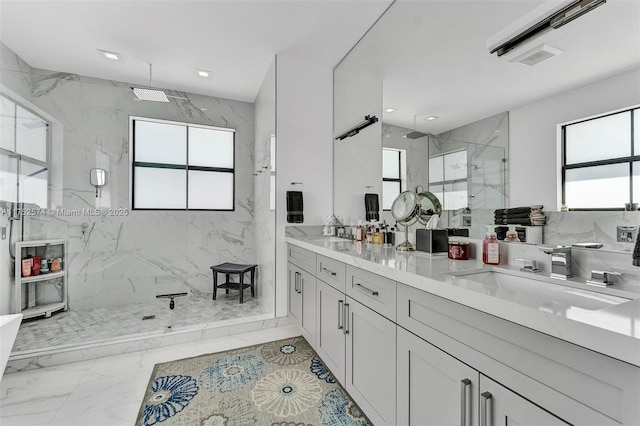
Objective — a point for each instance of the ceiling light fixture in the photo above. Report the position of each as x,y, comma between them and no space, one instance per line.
431,118
150,94
203,73
390,109
112,56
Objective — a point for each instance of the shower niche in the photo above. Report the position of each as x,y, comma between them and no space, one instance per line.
40,278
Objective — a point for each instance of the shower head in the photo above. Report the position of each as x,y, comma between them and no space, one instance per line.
150,94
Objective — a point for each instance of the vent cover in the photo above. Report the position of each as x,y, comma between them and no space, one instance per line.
537,54
150,95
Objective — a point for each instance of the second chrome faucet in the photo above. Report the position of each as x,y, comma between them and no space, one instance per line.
560,262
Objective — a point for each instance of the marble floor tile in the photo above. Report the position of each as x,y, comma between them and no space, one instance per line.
106,391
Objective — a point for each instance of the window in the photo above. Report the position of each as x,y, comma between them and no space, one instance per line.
601,155
180,166
448,177
24,163
393,175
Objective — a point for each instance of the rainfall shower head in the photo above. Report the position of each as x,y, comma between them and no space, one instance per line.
150,94
415,135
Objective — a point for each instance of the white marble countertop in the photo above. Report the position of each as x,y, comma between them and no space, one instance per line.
613,330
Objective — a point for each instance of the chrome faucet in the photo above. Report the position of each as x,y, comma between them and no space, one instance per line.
560,262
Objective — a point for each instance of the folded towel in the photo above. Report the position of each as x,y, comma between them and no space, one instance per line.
516,210
294,207
371,207
636,251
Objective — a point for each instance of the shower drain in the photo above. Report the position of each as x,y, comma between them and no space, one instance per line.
148,317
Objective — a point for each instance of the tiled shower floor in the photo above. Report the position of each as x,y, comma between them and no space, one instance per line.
85,326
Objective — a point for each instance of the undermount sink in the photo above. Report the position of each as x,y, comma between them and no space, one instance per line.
534,291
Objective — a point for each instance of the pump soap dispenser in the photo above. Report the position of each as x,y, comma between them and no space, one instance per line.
491,247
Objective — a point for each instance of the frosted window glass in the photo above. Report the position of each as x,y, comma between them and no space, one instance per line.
160,188
390,191
455,165
33,184
31,135
598,139
210,190
160,143
455,196
8,182
210,148
7,124
438,191
391,163
436,169
597,187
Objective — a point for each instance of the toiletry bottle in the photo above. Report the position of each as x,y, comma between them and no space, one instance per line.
491,247
512,235
377,236
359,231
369,235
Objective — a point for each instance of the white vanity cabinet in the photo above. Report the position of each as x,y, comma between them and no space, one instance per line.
435,388
331,341
527,374
302,290
46,292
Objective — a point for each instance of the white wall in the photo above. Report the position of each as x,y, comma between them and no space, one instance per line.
533,147
304,150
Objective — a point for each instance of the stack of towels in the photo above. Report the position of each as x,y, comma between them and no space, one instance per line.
525,216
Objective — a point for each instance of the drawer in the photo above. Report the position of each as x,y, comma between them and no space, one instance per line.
373,291
302,258
332,272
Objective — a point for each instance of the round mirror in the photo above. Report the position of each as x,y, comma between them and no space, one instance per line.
405,207
429,205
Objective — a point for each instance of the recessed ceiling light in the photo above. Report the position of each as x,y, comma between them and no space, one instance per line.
203,73
431,117
390,109
112,56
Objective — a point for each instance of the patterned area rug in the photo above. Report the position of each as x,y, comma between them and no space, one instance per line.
281,383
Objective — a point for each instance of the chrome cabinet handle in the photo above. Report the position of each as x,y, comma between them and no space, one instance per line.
298,279
340,303
330,272
465,402
486,411
295,282
346,318
373,293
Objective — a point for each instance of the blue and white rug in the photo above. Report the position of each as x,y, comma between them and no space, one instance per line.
281,383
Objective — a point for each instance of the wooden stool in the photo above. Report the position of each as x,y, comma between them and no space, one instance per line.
233,268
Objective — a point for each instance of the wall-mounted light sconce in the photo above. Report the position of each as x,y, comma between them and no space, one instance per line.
98,178
368,121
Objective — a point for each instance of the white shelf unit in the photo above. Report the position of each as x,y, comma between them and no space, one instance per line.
46,249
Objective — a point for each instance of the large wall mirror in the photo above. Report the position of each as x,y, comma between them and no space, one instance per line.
444,102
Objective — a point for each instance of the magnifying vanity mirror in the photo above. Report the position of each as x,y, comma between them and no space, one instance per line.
410,207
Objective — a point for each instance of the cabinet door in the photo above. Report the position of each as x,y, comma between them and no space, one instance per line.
371,362
501,406
331,342
307,286
434,388
295,294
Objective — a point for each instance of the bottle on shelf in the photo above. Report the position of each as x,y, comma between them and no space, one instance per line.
491,247
512,235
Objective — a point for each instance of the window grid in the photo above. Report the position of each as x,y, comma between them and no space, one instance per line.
610,161
186,167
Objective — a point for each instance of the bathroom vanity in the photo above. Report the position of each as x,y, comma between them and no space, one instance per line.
419,340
